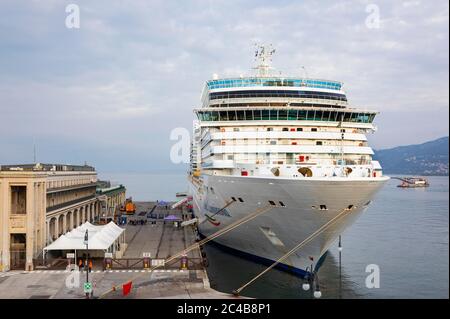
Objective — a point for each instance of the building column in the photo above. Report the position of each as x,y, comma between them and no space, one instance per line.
47,234
30,225
71,220
88,212
56,230
77,217
64,223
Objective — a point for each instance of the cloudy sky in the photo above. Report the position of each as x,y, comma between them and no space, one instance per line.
110,92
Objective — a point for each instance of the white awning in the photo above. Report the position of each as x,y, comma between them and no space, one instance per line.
100,237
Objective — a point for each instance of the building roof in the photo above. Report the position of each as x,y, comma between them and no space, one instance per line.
46,167
99,237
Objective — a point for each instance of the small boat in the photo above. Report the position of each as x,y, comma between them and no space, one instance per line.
181,194
411,182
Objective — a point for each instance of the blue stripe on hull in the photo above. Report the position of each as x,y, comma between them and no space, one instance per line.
265,261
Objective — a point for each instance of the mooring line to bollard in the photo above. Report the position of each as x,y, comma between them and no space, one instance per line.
224,230
293,250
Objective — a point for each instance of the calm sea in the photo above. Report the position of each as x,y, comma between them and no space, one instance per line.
405,232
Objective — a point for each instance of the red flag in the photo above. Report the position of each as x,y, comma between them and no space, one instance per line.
126,288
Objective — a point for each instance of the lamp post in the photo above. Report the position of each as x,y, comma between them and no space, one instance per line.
86,267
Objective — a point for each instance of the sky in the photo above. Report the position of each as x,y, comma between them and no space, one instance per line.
110,92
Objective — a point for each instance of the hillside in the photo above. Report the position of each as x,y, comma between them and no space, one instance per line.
430,158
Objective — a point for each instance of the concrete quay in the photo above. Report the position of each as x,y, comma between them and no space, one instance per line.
160,239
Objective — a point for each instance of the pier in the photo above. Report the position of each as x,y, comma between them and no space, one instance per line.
151,235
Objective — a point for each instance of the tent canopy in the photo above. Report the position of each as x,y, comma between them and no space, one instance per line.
172,218
99,237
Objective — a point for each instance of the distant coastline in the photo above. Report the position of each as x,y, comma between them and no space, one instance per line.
426,159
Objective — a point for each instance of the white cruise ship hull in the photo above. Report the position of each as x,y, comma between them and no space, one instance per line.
270,235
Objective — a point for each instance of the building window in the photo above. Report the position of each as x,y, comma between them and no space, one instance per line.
18,199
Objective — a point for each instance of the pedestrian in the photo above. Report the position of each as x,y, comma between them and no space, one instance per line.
80,264
90,265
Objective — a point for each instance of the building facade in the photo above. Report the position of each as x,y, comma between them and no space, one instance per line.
111,199
39,203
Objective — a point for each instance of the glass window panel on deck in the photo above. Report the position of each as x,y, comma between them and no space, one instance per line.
249,115
302,114
292,114
240,115
282,115
310,115
232,115
347,116
318,116
214,116
257,115
273,115
223,115
265,115
326,116
334,116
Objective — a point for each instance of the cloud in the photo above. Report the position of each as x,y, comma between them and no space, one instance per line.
135,70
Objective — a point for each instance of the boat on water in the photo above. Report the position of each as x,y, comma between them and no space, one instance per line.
413,182
292,144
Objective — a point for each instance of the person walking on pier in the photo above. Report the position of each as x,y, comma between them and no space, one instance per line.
80,264
90,265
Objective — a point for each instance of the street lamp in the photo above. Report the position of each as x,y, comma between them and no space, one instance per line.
86,267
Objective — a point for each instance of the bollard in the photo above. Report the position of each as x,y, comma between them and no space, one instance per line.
184,263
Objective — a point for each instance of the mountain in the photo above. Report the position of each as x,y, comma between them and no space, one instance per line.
430,158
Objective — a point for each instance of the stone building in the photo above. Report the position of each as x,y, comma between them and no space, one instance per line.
40,202
111,198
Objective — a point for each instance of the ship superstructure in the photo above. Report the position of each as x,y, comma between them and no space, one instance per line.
290,142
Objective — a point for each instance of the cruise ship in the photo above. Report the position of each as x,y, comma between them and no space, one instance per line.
291,144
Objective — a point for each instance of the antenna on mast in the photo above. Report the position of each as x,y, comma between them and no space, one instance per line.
263,58
34,152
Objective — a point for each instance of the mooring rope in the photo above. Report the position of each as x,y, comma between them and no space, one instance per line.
293,250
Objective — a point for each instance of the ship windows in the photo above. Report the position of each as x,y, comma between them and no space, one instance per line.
271,202
342,130
233,199
281,204
323,207
269,129
285,129
274,115
367,204
349,207
277,93
236,129
257,115
241,200
299,129
314,129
